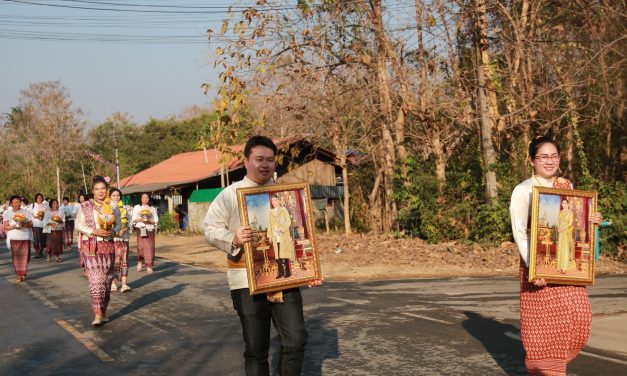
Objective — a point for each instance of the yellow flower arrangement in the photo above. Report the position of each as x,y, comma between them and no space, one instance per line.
107,218
123,214
19,218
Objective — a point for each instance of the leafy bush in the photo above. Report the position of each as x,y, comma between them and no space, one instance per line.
166,223
612,203
422,211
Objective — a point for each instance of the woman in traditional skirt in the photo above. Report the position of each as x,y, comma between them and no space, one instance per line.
98,221
3,208
120,267
555,320
53,228
81,262
145,220
38,210
69,214
17,224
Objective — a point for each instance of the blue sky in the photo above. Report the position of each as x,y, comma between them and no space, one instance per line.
258,207
550,206
155,79
144,57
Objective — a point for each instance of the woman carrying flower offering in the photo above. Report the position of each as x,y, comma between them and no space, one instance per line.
69,214
121,240
38,212
53,221
145,220
98,222
17,224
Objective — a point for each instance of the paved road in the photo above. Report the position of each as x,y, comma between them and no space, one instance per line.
179,321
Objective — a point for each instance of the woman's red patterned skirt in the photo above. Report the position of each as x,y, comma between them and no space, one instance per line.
555,323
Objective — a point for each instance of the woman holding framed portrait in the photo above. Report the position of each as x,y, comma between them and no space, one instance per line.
555,319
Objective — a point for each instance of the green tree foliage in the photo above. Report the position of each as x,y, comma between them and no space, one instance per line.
143,146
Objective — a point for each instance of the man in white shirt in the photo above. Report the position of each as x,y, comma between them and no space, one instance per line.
224,231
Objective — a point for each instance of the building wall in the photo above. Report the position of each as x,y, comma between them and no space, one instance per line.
196,215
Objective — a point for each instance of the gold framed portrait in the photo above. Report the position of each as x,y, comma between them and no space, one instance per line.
283,253
562,240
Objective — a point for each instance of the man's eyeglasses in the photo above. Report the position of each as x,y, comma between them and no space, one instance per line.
543,158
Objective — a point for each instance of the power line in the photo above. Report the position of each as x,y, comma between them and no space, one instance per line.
127,10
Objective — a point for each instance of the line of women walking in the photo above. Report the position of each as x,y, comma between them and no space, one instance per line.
104,225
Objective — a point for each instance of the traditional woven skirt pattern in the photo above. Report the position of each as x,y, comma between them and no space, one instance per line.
39,240
555,323
99,270
146,248
68,233
20,255
55,243
120,268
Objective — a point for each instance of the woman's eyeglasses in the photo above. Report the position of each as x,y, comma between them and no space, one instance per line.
544,157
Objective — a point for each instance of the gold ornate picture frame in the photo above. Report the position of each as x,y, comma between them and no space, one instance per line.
562,239
283,253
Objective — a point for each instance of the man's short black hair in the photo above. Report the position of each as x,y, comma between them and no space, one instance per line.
259,141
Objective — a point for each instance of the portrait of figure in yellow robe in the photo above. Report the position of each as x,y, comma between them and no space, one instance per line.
564,237
279,234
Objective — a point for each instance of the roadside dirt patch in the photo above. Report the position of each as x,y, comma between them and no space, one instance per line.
366,256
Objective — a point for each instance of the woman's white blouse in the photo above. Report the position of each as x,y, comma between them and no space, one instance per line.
34,210
136,216
23,233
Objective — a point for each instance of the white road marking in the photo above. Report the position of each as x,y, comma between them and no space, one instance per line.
37,295
614,360
350,301
153,326
426,318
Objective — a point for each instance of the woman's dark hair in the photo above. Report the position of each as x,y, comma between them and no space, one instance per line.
98,179
24,200
258,141
66,199
37,195
539,141
15,197
115,190
51,201
84,196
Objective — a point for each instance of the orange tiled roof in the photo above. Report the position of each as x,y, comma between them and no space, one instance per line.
184,168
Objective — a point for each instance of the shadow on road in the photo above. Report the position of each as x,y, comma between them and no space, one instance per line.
162,271
507,352
52,268
148,299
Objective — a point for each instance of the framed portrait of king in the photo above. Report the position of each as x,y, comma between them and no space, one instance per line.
561,248
283,253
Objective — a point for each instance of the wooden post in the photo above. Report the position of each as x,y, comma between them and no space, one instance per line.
58,184
84,181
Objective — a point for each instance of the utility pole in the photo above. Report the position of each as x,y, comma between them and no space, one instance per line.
117,160
58,185
84,181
